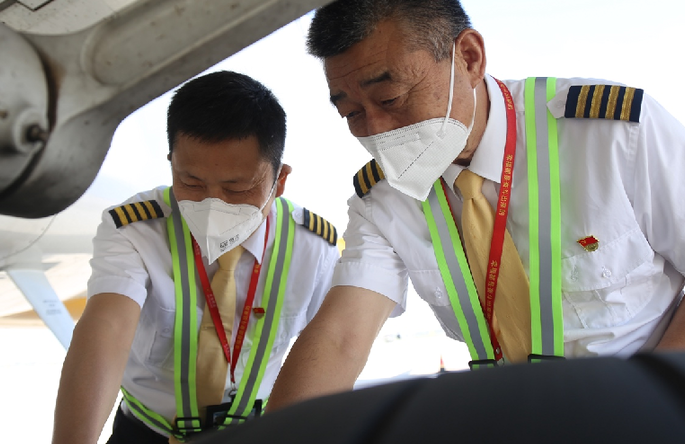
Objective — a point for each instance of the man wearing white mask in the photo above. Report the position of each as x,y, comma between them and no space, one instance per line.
539,219
197,288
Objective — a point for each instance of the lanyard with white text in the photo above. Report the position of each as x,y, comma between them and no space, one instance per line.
501,212
500,225
213,309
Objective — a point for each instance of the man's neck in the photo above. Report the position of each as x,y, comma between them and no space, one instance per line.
481,121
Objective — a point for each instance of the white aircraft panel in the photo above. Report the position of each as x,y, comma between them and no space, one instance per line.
44,300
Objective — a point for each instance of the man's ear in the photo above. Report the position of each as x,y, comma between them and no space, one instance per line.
280,186
470,50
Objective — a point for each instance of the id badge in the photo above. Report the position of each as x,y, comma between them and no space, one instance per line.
229,394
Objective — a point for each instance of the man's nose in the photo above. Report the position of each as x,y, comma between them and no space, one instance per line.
215,192
378,121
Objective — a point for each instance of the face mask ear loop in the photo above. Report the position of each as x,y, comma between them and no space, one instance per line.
441,133
273,187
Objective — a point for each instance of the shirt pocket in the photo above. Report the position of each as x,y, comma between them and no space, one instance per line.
289,326
609,286
161,351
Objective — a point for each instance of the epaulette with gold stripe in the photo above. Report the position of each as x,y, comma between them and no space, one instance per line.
367,177
318,225
604,102
133,212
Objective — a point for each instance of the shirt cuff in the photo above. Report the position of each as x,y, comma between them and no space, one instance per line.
391,284
120,285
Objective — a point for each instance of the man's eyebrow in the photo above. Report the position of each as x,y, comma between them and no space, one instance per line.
335,98
384,77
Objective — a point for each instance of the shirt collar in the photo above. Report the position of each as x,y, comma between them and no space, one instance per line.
487,160
255,243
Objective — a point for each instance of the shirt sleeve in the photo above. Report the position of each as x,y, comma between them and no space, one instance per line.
117,266
324,276
368,260
659,185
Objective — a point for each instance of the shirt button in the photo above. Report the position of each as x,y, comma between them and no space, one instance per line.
606,273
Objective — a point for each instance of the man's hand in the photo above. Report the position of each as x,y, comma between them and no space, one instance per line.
332,350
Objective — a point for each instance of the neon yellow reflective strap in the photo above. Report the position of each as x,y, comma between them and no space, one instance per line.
555,239
267,327
282,284
533,212
185,323
544,203
456,275
191,315
146,415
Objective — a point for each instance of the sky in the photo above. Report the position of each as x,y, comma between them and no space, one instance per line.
637,43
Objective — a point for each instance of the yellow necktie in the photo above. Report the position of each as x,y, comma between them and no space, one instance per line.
511,317
211,362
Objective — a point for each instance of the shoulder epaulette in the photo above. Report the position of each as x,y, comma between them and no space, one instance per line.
604,102
318,225
367,177
133,212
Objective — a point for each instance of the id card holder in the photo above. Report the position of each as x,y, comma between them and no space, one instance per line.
216,414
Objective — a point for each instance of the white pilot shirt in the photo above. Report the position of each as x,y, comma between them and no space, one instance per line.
135,261
621,182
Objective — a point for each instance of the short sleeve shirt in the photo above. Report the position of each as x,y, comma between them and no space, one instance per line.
135,261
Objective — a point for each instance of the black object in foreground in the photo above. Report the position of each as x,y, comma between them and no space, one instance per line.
600,400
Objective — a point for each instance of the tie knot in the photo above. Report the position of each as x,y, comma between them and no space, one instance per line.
228,260
469,183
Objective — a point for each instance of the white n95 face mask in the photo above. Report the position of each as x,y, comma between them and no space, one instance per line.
218,226
415,156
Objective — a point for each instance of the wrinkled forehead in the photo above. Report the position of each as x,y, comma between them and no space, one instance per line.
361,58
386,40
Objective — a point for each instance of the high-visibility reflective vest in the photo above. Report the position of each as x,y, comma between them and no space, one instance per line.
186,326
544,201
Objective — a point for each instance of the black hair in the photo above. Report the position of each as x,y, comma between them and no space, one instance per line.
227,105
431,24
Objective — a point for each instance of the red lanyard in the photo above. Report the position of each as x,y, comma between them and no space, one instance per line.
213,309
501,212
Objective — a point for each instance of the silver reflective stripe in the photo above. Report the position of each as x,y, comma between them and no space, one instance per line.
186,311
448,247
545,216
285,219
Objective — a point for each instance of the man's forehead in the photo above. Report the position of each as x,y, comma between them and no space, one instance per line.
364,65
355,64
236,160
366,56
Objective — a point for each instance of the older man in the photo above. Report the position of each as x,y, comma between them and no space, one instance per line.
197,288
539,219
